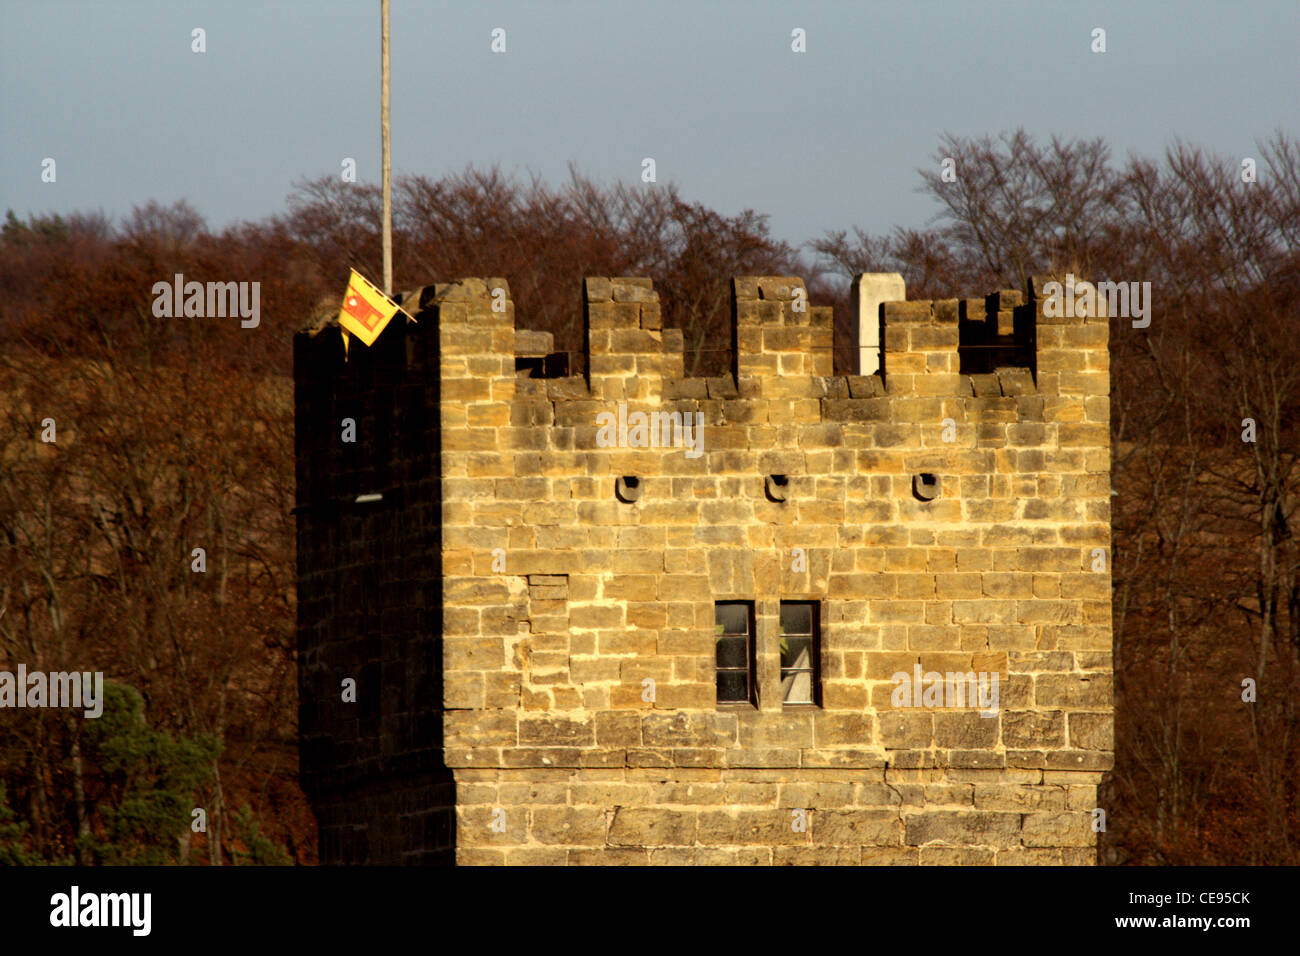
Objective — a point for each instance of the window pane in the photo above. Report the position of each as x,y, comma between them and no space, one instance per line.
732,652
796,652
734,618
796,618
733,685
796,688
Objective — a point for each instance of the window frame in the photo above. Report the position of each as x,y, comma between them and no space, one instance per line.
751,654
814,652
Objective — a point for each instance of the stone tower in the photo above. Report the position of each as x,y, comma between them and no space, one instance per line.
780,616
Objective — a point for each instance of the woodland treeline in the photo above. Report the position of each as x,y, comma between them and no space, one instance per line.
172,435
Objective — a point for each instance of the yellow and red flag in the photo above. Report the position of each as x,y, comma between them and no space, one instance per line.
366,310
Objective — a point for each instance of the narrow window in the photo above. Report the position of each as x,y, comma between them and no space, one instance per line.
734,626
800,681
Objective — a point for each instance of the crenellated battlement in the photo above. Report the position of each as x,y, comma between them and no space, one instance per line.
1001,345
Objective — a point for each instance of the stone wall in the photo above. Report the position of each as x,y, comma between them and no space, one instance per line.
560,600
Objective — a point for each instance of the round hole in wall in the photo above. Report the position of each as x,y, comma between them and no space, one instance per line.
627,488
776,487
925,486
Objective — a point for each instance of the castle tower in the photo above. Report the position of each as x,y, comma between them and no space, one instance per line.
780,616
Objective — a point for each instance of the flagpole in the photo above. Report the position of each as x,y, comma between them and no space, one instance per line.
386,159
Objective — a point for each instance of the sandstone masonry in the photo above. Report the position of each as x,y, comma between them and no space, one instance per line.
535,655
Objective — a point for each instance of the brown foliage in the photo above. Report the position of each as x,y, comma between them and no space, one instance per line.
175,434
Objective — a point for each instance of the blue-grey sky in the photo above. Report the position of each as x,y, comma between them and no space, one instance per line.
826,139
